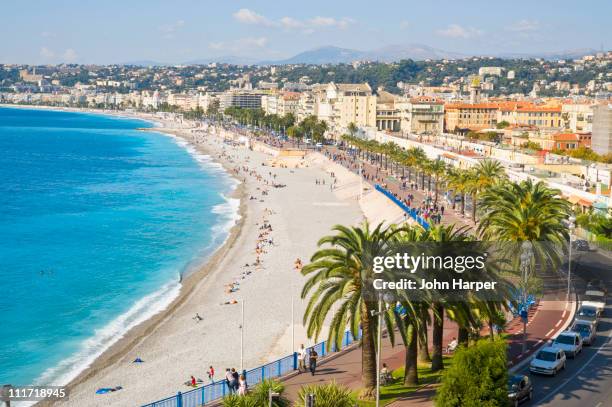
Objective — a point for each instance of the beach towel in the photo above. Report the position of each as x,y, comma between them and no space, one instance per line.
138,360
105,390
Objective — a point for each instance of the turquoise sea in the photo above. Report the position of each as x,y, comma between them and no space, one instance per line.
97,221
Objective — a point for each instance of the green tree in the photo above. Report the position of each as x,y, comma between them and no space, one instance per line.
483,176
477,378
337,273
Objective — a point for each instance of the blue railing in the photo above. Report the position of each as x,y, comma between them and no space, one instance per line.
410,211
217,390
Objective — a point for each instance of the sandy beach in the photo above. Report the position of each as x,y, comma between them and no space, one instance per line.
277,225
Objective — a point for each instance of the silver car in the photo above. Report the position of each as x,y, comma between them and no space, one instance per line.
586,331
570,342
549,361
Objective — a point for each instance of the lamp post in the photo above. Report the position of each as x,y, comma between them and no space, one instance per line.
526,254
387,298
571,227
242,336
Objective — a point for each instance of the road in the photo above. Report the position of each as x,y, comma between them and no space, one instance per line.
587,379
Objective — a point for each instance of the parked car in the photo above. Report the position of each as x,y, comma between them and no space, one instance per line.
586,331
588,313
570,342
548,361
319,145
520,389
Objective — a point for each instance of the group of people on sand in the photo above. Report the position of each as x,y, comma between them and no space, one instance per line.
263,242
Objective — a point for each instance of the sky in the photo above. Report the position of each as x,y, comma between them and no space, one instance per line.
177,31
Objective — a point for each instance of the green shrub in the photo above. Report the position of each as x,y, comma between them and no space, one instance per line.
258,396
327,395
477,378
260,393
234,400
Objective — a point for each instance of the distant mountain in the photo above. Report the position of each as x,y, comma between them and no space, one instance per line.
144,62
389,53
568,54
336,55
228,59
398,52
323,55
418,52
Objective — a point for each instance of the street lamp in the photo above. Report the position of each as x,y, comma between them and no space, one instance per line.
526,254
571,227
387,298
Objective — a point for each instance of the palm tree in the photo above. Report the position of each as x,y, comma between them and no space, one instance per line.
459,181
437,168
484,175
525,211
352,129
337,275
445,234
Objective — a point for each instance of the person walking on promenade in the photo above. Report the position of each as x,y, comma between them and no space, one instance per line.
312,362
242,385
211,374
302,355
236,379
229,380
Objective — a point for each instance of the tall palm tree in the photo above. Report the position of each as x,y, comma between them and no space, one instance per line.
459,180
445,234
338,273
437,168
525,211
484,175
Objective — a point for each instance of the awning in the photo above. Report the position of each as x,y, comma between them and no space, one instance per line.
585,202
574,199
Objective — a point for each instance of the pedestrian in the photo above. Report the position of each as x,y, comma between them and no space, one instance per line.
242,385
229,380
236,378
302,354
312,362
211,374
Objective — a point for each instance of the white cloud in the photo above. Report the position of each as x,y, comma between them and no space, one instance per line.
290,22
69,55
259,42
524,25
457,31
46,53
244,15
239,45
331,22
247,16
170,29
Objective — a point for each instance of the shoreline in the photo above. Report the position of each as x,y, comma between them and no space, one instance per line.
160,340
190,278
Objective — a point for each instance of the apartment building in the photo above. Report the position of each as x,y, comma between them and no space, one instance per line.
602,129
240,98
281,103
470,116
422,115
351,103
577,117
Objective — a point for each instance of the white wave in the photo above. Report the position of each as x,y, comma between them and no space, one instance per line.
229,214
105,337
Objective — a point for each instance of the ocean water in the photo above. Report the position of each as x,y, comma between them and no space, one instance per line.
97,222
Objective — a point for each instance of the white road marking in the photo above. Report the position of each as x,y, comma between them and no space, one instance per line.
556,390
